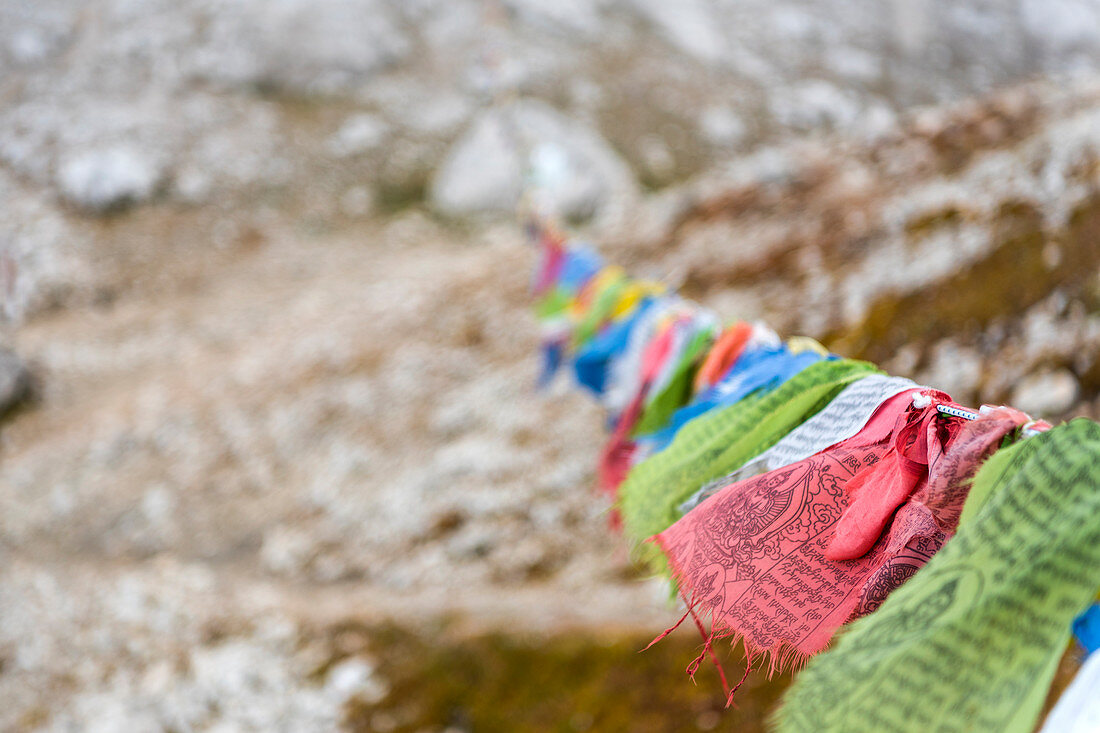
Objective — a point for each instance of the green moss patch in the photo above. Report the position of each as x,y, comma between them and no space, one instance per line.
563,682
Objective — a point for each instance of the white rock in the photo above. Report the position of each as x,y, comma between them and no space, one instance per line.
348,676
720,125
357,201
1060,23
912,24
656,157
300,45
28,47
1047,394
103,179
355,676
854,64
574,17
484,171
876,122
158,505
360,133
286,550
35,32
955,369
435,113
815,103
689,25
192,185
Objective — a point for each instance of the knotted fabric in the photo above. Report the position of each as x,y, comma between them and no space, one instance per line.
839,420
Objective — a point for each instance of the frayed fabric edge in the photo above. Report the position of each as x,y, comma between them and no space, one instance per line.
778,658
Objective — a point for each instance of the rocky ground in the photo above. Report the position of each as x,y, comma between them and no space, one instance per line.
271,456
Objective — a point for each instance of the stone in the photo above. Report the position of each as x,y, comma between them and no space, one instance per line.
689,26
483,173
954,368
433,113
101,180
355,676
300,46
357,202
1061,23
286,550
815,104
33,33
575,17
360,133
720,125
1047,394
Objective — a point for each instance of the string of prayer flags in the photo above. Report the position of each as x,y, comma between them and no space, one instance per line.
793,496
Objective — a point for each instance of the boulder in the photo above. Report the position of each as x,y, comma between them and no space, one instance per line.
484,171
300,46
1048,394
108,178
360,133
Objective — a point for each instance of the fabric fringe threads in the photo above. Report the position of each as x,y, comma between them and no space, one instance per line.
778,657
786,492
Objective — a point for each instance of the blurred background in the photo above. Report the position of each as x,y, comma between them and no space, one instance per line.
271,454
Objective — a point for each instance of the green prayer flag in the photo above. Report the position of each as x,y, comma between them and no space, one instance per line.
553,304
677,392
600,310
972,641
